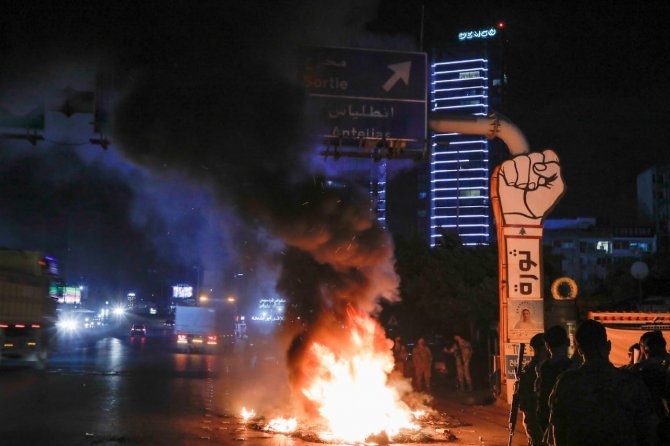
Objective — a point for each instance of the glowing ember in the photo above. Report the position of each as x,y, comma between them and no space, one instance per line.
282,425
418,413
247,414
350,387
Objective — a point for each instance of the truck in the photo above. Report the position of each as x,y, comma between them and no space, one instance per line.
27,312
202,328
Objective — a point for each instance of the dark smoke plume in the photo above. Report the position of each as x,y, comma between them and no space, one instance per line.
231,115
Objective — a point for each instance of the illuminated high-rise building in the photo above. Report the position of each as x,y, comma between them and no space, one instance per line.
467,78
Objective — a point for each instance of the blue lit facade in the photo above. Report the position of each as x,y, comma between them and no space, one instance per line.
464,81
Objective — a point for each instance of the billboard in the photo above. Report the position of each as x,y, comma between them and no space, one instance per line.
270,310
182,291
71,295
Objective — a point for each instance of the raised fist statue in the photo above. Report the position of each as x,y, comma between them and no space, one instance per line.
529,186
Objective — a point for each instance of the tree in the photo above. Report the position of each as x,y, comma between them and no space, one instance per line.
449,288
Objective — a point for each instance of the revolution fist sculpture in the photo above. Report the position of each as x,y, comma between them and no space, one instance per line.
529,186
523,191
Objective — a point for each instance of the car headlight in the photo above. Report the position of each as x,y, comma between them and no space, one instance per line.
67,324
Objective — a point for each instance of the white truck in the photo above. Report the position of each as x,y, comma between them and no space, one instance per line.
202,329
27,312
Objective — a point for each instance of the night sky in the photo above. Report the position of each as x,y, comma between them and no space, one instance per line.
206,95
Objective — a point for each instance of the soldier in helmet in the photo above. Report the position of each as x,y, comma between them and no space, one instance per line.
599,404
556,341
527,394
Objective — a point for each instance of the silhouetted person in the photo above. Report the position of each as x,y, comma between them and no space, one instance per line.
527,394
633,356
557,343
599,404
399,355
462,351
654,371
422,360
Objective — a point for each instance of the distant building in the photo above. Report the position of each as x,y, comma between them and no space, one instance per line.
590,252
131,300
653,200
466,78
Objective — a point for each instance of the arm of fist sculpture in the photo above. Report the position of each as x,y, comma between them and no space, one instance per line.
529,186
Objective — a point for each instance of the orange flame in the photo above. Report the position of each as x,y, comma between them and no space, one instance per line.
247,414
282,425
349,385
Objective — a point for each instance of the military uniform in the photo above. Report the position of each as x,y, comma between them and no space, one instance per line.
599,404
528,402
655,372
399,357
462,351
422,360
548,373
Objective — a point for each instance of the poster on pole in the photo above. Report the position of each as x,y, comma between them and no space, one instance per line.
512,357
525,319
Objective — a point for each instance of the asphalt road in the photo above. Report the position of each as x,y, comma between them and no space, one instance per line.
106,388
109,389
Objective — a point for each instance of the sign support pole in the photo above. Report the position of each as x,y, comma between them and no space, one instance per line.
502,277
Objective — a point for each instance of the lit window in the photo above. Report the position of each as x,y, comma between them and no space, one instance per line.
603,245
470,193
639,246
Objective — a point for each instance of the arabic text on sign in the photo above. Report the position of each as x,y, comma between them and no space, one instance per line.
268,303
525,262
365,111
523,268
267,318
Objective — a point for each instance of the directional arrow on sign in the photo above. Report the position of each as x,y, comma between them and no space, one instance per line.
400,71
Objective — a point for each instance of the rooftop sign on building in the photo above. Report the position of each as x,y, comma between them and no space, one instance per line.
484,33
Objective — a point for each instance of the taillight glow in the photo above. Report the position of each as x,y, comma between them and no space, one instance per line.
211,340
4,326
20,326
35,325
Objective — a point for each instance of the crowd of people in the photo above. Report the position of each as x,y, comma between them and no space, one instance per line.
586,400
